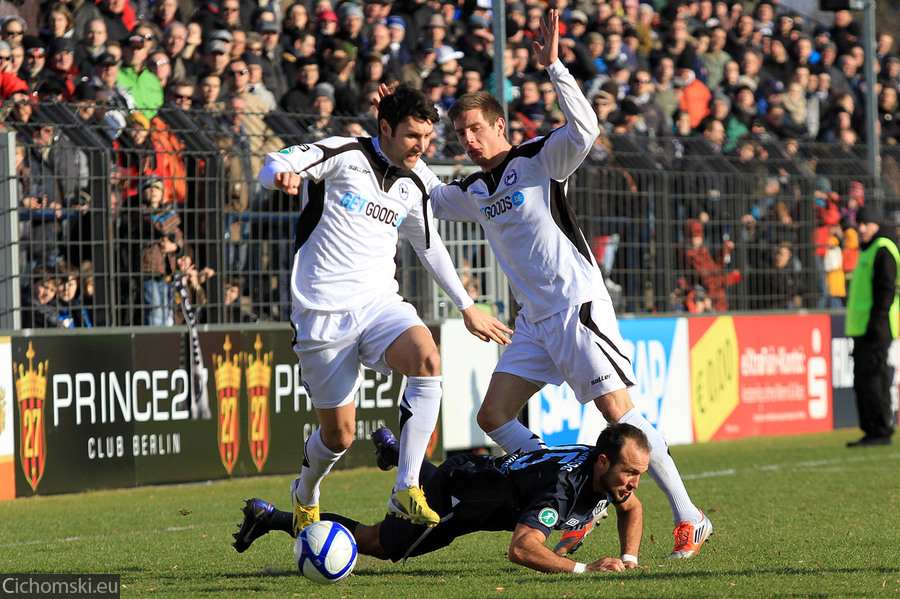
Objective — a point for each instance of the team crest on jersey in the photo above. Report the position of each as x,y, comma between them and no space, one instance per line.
404,191
511,177
548,516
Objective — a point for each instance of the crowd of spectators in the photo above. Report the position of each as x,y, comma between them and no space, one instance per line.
724,71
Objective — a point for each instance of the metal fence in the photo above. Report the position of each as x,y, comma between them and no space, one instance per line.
81,245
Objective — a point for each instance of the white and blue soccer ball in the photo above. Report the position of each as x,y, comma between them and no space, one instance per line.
325,552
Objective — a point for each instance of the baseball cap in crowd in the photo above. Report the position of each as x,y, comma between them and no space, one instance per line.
446,53
396,21
578,15
222,34
106,60
251,58
323,90
351,10
61,44
477,22
33,44
425,46
85,91
267,27
437,21
326,15
217,46
773,86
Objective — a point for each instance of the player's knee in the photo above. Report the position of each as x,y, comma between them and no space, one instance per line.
338,440
430,364
489,419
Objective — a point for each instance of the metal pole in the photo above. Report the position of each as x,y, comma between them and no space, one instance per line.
10,302
872,137
499,29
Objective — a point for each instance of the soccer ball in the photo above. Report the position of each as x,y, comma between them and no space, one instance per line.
325,552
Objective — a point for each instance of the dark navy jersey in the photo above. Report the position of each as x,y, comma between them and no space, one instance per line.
550,489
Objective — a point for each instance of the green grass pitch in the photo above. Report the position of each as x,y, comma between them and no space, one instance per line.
794,517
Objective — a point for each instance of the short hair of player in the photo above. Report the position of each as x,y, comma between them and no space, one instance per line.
612,440
481,100
406,101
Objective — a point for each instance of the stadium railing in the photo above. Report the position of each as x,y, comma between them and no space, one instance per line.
634,198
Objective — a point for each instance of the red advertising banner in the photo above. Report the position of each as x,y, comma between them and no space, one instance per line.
760,375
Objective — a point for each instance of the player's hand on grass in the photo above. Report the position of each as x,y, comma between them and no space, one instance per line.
486,327
609,564
288,182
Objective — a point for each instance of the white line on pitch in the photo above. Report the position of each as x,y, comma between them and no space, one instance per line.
118,534
809,464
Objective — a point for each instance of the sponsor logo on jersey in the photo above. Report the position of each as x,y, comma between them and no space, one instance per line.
517,198
373,210
359,169
497,208
511,177
548,516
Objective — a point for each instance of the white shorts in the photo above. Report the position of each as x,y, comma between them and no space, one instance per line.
580,345
332,345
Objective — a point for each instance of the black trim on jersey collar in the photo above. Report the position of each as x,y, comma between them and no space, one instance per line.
388,174
493,177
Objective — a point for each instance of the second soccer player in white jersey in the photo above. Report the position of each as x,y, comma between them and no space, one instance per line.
566,329
357,194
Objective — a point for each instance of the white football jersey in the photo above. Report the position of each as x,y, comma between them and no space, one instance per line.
526,217
354,203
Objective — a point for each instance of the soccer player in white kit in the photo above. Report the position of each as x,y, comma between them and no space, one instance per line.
566,329
357,194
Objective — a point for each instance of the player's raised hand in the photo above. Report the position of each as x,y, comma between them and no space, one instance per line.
486,327
288,182
547,53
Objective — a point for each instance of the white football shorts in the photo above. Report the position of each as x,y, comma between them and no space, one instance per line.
332,345
580,345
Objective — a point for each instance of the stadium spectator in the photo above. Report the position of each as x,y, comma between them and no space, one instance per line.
159,64
71,311
117,101
139,158
39,302
340,70
299,98
12,30
57,22
607,473
296,18
255,85
34,71
273,73
423,63
119,18
166,13
194,280
184,62
700,268
872,322
134,76
90,47
159,230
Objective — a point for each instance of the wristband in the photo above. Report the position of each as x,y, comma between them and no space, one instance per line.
579,568
627,557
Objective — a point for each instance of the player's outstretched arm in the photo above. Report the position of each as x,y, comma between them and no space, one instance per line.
484,326
527,549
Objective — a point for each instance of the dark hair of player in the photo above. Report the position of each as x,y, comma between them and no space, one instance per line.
406,101
612,440
481,100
